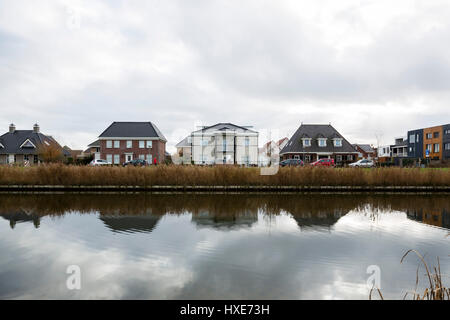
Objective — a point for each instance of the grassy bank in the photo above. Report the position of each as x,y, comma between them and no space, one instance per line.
58,174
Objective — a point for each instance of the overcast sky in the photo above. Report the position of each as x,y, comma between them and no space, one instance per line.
371,68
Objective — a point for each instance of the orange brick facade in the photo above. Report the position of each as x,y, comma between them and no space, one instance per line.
436,139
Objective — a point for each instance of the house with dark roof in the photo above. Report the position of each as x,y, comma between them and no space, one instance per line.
23,146
125,141
365,151
316,141
222,143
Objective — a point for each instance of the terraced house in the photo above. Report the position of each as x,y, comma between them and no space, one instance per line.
312,142
23,146
125,141
432,143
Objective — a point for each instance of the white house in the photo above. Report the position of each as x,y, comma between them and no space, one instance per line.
222,143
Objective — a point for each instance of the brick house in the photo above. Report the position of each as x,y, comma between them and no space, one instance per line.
312,142
365,151
22,146
125,141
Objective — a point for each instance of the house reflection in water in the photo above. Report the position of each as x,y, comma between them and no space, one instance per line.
21,216
326,219
438,218
222,220
143,221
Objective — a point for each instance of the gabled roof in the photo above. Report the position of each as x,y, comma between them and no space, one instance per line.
22,141
365,147
132,130
183,143
327,131
223,127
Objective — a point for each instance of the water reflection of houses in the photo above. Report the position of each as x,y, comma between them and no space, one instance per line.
208,219
324,219
21,216
140,221
438,218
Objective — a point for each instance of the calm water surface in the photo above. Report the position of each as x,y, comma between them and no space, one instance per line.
200,246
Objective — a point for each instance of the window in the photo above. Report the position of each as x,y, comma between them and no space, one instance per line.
428,147
306,142
307,158
247,141
447,131
436,135
224,144
338,143
412,138
296,156
350,157
447,146
204,142
322,142
109,158
436,147
116,144
149,144
411,149
35,159
25,157
338,158
129,144
149,158
417,137
142,156
116,159
429,135
141,144
245,160
109,144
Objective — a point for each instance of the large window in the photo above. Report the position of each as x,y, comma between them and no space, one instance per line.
116,144
109,144
338,158
350,157
149,158
436,147
109,158
141,144
429,135
412,138
447,146
142,156
247,141
224,144
116,159
436,135
129,144
149,144
428,147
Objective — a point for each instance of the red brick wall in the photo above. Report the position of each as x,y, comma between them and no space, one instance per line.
157,150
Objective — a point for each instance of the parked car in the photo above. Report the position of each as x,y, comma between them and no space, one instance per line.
291,162
98,162
323,163
136,162
363,163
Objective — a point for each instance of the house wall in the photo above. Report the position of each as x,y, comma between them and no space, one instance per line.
445,140
415,146
432,141
157,150
214,151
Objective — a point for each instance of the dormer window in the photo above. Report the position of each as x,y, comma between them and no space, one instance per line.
338,142
322,142
306,142
27,144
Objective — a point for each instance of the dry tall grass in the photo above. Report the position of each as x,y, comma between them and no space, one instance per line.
172,175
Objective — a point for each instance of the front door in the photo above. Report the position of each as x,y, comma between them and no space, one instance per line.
128,157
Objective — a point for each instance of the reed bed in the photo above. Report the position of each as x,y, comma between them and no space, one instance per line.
173,175
435,289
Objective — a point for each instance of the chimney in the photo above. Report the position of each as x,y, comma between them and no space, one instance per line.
36,128
12,128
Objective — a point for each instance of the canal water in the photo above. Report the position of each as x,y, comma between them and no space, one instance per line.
218,246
